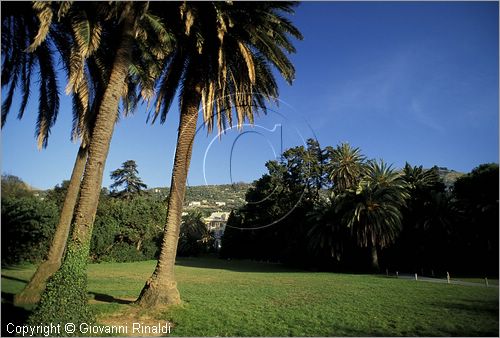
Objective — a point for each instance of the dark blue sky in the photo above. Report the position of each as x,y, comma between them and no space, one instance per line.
414,81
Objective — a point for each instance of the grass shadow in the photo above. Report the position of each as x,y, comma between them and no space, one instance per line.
233,265
15,279
484,307
109,299
478,308
18,266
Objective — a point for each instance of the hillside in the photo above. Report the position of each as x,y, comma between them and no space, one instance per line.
224,197
449,176
227,197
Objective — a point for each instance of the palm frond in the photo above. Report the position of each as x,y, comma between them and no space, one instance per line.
169,84
49,95
44,14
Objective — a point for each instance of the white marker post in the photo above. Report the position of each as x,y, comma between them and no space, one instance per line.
448,277
416,277
486,281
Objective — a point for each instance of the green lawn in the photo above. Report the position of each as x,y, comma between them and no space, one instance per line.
240,298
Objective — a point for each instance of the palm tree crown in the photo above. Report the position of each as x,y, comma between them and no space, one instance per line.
375,216
227,48
346,166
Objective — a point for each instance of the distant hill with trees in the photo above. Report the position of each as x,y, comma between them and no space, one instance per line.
223,197
449,176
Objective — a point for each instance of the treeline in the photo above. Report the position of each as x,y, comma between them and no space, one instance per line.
127,229
333,209
128,225
317,208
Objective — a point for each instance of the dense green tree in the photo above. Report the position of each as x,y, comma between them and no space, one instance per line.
127,230
221,61
305,168
426,220
58,193
410,214
274,223
27,225
194,236
127,178
476,239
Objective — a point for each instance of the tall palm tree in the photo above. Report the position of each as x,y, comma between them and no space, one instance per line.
326,235
133,27
222,62
428,214
346,166
21,60
86,89
419,179
374,210
19,32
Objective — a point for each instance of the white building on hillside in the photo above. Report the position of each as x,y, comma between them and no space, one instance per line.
216,223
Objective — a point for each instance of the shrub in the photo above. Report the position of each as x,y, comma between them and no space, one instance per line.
123,252
28,225
127,230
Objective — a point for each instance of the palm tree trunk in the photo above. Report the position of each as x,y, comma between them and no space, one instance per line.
374,257
161,288
65,297
31,292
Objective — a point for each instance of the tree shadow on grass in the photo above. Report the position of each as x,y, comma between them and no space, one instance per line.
109,299
233,265
15,279
12,314
481,309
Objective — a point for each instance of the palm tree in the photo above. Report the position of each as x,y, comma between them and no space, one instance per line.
346,166
66,291
221,61
326,235
374,210
427,215
86,97
19,31
419,179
